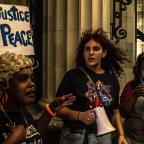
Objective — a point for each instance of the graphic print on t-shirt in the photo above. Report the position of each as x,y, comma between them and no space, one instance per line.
104,93
32,136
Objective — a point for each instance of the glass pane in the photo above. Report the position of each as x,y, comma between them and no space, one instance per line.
140,26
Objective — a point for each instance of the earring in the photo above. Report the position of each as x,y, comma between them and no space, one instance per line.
4,98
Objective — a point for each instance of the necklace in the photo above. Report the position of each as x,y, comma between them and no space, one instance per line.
4,112
9,119
24,117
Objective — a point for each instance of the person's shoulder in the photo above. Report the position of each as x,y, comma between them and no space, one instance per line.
110,75
73,71
129,83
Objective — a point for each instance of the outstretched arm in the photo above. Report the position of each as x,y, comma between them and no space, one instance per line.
57,104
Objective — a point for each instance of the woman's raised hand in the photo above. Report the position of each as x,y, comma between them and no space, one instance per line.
62,101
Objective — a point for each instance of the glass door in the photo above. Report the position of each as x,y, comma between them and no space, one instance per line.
140,26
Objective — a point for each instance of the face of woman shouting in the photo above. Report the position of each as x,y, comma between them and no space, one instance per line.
22,87
93,54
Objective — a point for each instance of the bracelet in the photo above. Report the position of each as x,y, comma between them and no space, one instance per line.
78,115
47,108
121,134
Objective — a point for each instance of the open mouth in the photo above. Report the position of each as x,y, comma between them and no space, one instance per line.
31,92
91,59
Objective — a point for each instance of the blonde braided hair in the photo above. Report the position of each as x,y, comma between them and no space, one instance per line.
10,63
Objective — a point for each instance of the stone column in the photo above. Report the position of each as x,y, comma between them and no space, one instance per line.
85,15
96,14
106,5
49,49
60,40
72,32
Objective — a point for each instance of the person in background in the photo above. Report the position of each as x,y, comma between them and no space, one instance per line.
94,83
132,104
17,90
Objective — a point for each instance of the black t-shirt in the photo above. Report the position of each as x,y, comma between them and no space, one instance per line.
32,135
76,82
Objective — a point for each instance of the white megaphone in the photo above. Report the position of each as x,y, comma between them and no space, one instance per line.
103,124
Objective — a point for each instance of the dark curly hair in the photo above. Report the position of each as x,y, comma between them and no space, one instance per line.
114,58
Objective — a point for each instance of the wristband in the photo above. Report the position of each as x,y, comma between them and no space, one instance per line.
47,108
121,134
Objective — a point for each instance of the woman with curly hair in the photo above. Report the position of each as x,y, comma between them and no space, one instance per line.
94,82
17,90
132,104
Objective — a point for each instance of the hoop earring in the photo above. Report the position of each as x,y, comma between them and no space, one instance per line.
4,98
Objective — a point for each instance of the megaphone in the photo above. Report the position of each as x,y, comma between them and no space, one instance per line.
103,124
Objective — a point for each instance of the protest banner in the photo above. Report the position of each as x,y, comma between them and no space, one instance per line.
15,33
